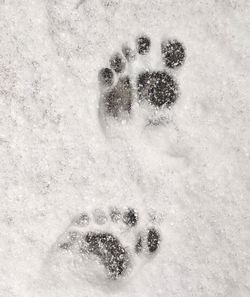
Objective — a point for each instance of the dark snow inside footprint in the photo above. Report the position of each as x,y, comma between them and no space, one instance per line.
158,88
119,98
110,251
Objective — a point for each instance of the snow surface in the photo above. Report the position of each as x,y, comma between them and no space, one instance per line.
56,160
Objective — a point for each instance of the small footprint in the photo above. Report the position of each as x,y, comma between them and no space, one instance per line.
119,240
122,83
137,92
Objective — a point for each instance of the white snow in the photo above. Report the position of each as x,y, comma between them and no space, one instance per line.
56,160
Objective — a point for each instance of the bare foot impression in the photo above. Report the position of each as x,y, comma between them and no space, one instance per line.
101,245
129,79
138,92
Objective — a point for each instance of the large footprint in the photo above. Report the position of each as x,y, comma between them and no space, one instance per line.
129,79
110,245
